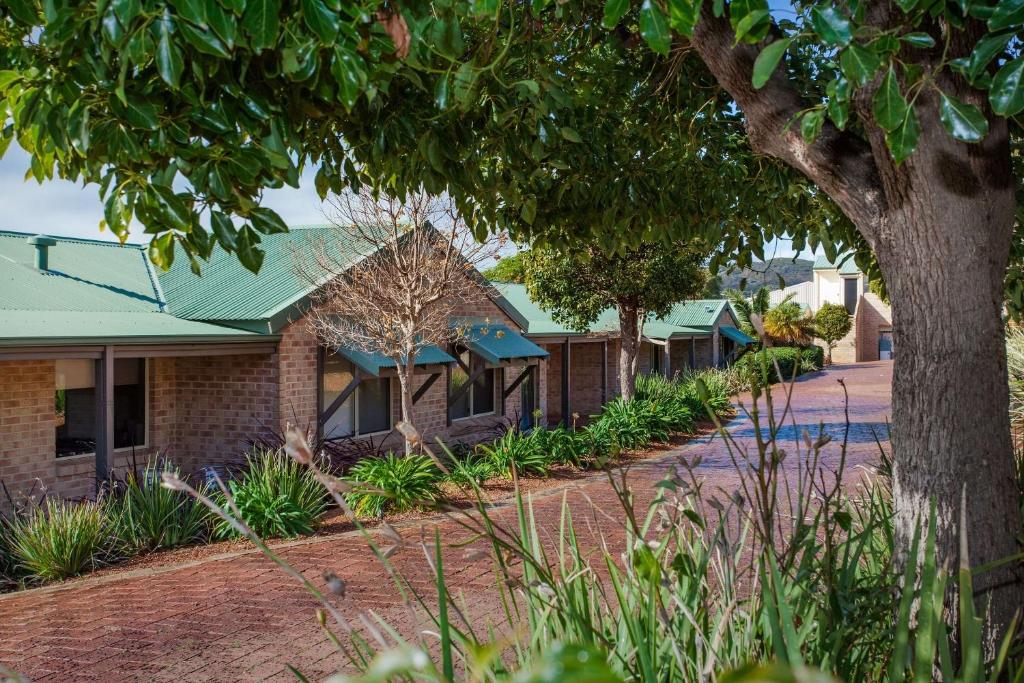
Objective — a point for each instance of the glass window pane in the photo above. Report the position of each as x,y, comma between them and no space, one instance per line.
374,405
75,406
458,377
129,402
338,374
483,393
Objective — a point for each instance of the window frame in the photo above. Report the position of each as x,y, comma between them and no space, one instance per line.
470,392
145,421
357,402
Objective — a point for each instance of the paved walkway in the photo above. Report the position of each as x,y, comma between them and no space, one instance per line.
241,618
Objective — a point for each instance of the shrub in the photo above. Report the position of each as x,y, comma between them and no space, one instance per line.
472,469
563,445
60,539
518,450
636,423
393,483
759,366
276,497
832,322
148,516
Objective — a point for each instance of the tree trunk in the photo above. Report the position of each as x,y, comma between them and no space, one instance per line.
629,332
405,381
944,260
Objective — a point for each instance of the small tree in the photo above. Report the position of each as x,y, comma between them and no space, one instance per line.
746,309
788,323
392,276
650,278
832,323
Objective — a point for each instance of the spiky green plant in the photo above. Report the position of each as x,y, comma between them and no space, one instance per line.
393,483
60,539
519,451
473,469
148,516
276,496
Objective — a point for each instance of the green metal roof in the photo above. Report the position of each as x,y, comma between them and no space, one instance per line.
736,335
846,264
657,328
696,312
373,363
91,292
226,290
539,321
496,343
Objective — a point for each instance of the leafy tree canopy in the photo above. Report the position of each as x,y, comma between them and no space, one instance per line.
832,323
510,268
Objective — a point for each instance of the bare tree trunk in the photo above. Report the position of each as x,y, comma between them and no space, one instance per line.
405,381
629,331
951,429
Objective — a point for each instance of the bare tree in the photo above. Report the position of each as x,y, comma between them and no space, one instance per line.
392,276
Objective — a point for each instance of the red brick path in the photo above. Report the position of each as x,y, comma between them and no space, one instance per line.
241,618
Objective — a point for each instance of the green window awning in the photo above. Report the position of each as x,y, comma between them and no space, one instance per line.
497,343
373,363
736,335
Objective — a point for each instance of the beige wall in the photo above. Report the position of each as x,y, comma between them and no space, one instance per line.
873,317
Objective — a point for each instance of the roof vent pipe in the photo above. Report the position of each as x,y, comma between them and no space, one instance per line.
42,243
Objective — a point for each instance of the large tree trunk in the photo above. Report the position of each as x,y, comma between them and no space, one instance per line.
943,252
629,332
940,225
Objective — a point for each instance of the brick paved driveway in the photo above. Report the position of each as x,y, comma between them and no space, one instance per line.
241,618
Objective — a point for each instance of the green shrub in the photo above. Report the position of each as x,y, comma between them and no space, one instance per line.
148,516
60,539
276,497
473,469
759,366
637,423
393,483
563,446
518,450
600,442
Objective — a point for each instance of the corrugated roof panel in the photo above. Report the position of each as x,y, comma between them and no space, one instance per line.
497,343
93,327
226,290
83,275
696,313
846,264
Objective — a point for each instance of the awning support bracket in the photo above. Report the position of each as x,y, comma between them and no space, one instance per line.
329,412
518,380
425,387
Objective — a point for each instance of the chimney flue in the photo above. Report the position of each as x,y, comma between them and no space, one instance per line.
42,243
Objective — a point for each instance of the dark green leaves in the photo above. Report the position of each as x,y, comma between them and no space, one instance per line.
654,27
922,40
859,64
267,221
614,10
248,251
1008,14
348,71
831,25
889,106
903,139
750,20
768,60
261,23
963,121
161,250
321,19
1006,94
683,15
169,62
984,52
811,123
570,134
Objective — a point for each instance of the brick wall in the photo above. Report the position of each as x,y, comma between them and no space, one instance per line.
297,390
585,361
873,317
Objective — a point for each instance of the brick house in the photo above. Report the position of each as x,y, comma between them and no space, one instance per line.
105,362
842,282
582,370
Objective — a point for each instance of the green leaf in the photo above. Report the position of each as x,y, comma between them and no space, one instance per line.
832,25
261,23
23,10
570,134
529,210
347,69
1008,13
465,84
171,207
811,123
963,121
249,254
321,20
224,230
1006,94
223,24
169,62
441,92
918,40
161,250
750,19
613,12
903,140
839,112
906,5
78,126
267,221
984,52
683,15
654,27
768,60
889,105
859,64
203,40
126,10
485,8
191,10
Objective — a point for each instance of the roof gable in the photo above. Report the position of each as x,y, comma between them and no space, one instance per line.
846,265
696,313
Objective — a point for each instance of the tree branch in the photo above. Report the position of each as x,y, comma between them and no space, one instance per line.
839,162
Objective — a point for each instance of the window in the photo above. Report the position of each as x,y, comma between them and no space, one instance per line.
479,399
366,411
655,364
528,398
850,294
75,405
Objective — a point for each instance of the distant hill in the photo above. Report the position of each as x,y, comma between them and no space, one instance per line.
767,274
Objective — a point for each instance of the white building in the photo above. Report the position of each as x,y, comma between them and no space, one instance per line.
870,337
